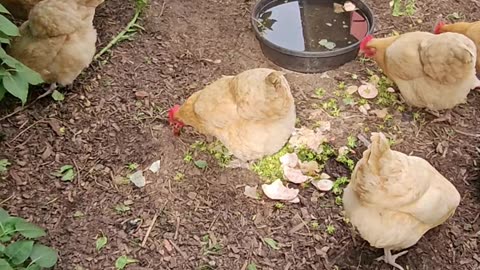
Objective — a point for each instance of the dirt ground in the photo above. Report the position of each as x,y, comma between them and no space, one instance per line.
107,127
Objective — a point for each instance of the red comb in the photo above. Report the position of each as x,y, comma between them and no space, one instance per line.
363,44
438,27
172,111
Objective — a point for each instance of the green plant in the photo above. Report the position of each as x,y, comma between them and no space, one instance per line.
4,163
132,166
19,248
66,172
320,92
330,229
15,77
401,9
331,107
338,185
123,261
129,31
269,168
351,142
279,205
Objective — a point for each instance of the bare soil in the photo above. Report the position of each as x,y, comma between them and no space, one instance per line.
107,126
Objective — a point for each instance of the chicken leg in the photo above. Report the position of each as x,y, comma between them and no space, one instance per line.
446,117
390,259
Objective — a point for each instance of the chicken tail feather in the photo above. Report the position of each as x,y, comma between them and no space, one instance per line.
378,149
275,78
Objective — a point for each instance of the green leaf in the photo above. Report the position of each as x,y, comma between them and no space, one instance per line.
4,265
101,242
16,86
18,252
57,96
65,168
2,249
252,266
69,175
31,76
122,261
202,164
271,243
7,27
29,230
3,9
34,266
4,163
2,95
3,214
44,256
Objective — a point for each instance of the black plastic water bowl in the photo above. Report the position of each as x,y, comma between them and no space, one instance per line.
300,50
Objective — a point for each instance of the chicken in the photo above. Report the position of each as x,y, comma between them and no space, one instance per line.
58,40
252,113
470,30
431,71
19,8
394,199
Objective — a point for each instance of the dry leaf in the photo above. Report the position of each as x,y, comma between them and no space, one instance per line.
338,8
277,191
323,184
380,113
141,94
352,89
251,192
294,175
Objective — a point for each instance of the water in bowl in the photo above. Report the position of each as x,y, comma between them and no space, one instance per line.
311,25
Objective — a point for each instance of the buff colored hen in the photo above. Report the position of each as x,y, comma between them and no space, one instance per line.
394,199
252,113
58,40
431,71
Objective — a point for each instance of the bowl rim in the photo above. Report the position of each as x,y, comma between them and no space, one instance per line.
366,10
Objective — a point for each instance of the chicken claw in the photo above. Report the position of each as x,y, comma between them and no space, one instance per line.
447,117
390,259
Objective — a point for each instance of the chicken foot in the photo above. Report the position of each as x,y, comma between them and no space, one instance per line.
390,259
447,117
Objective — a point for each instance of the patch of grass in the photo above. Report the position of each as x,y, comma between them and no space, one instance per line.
269,168
384,98
132,166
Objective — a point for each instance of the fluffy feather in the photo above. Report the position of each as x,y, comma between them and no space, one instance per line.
253,113
58,40
432,71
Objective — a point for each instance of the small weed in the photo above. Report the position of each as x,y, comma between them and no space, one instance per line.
123,261
122,208
188,157
351,142
385,98
338,201
320,92
403,7
346,161
339,184
132,166
331,106
330,229
4,163
179,176
129,31
341,86
215,149
279,205
315,225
